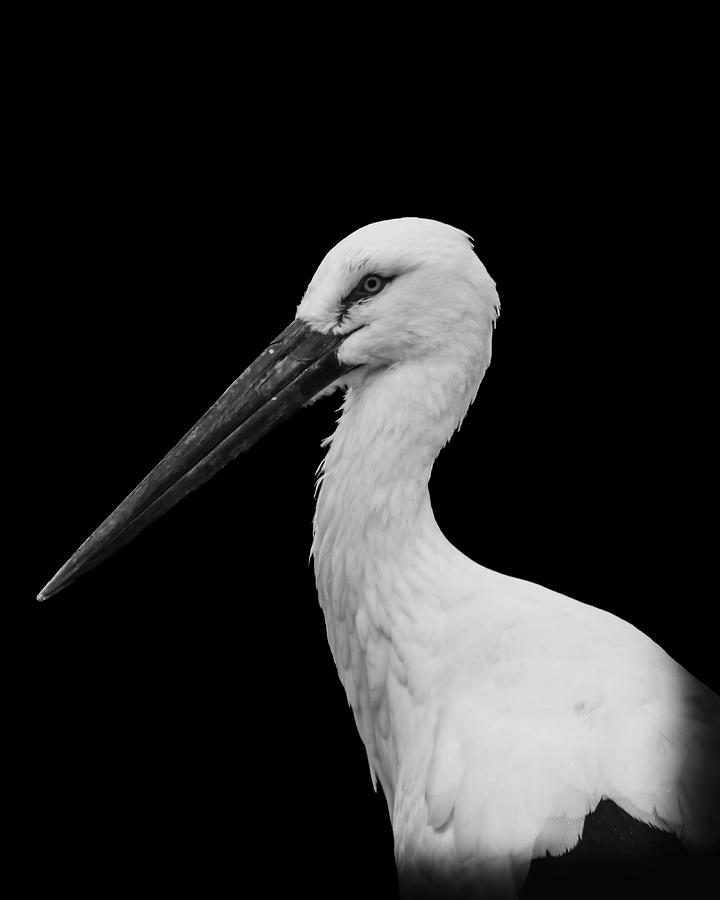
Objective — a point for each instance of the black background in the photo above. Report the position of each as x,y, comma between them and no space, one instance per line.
182,719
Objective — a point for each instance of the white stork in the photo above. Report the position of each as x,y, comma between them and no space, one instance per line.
497,715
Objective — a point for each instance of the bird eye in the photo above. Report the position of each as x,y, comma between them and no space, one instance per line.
368,287
372,284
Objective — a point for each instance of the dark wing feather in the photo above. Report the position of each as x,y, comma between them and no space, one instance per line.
619,857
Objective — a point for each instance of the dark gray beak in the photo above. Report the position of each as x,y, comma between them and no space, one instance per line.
295,366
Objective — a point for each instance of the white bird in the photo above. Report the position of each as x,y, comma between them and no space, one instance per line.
496,714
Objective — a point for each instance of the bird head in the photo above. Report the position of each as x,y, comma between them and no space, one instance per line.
402,289
400,292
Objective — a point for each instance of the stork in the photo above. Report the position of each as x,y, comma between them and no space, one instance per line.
498,716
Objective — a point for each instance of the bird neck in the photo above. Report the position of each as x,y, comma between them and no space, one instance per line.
374,481
380,558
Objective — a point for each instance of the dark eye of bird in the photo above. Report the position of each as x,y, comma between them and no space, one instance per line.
368,287
371,284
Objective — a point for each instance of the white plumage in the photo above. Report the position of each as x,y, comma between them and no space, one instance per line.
496,713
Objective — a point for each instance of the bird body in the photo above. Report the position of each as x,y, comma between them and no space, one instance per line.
497,715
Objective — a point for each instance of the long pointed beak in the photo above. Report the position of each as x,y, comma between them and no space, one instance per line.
297,365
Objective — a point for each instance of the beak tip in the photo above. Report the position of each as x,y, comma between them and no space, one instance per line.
49,589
